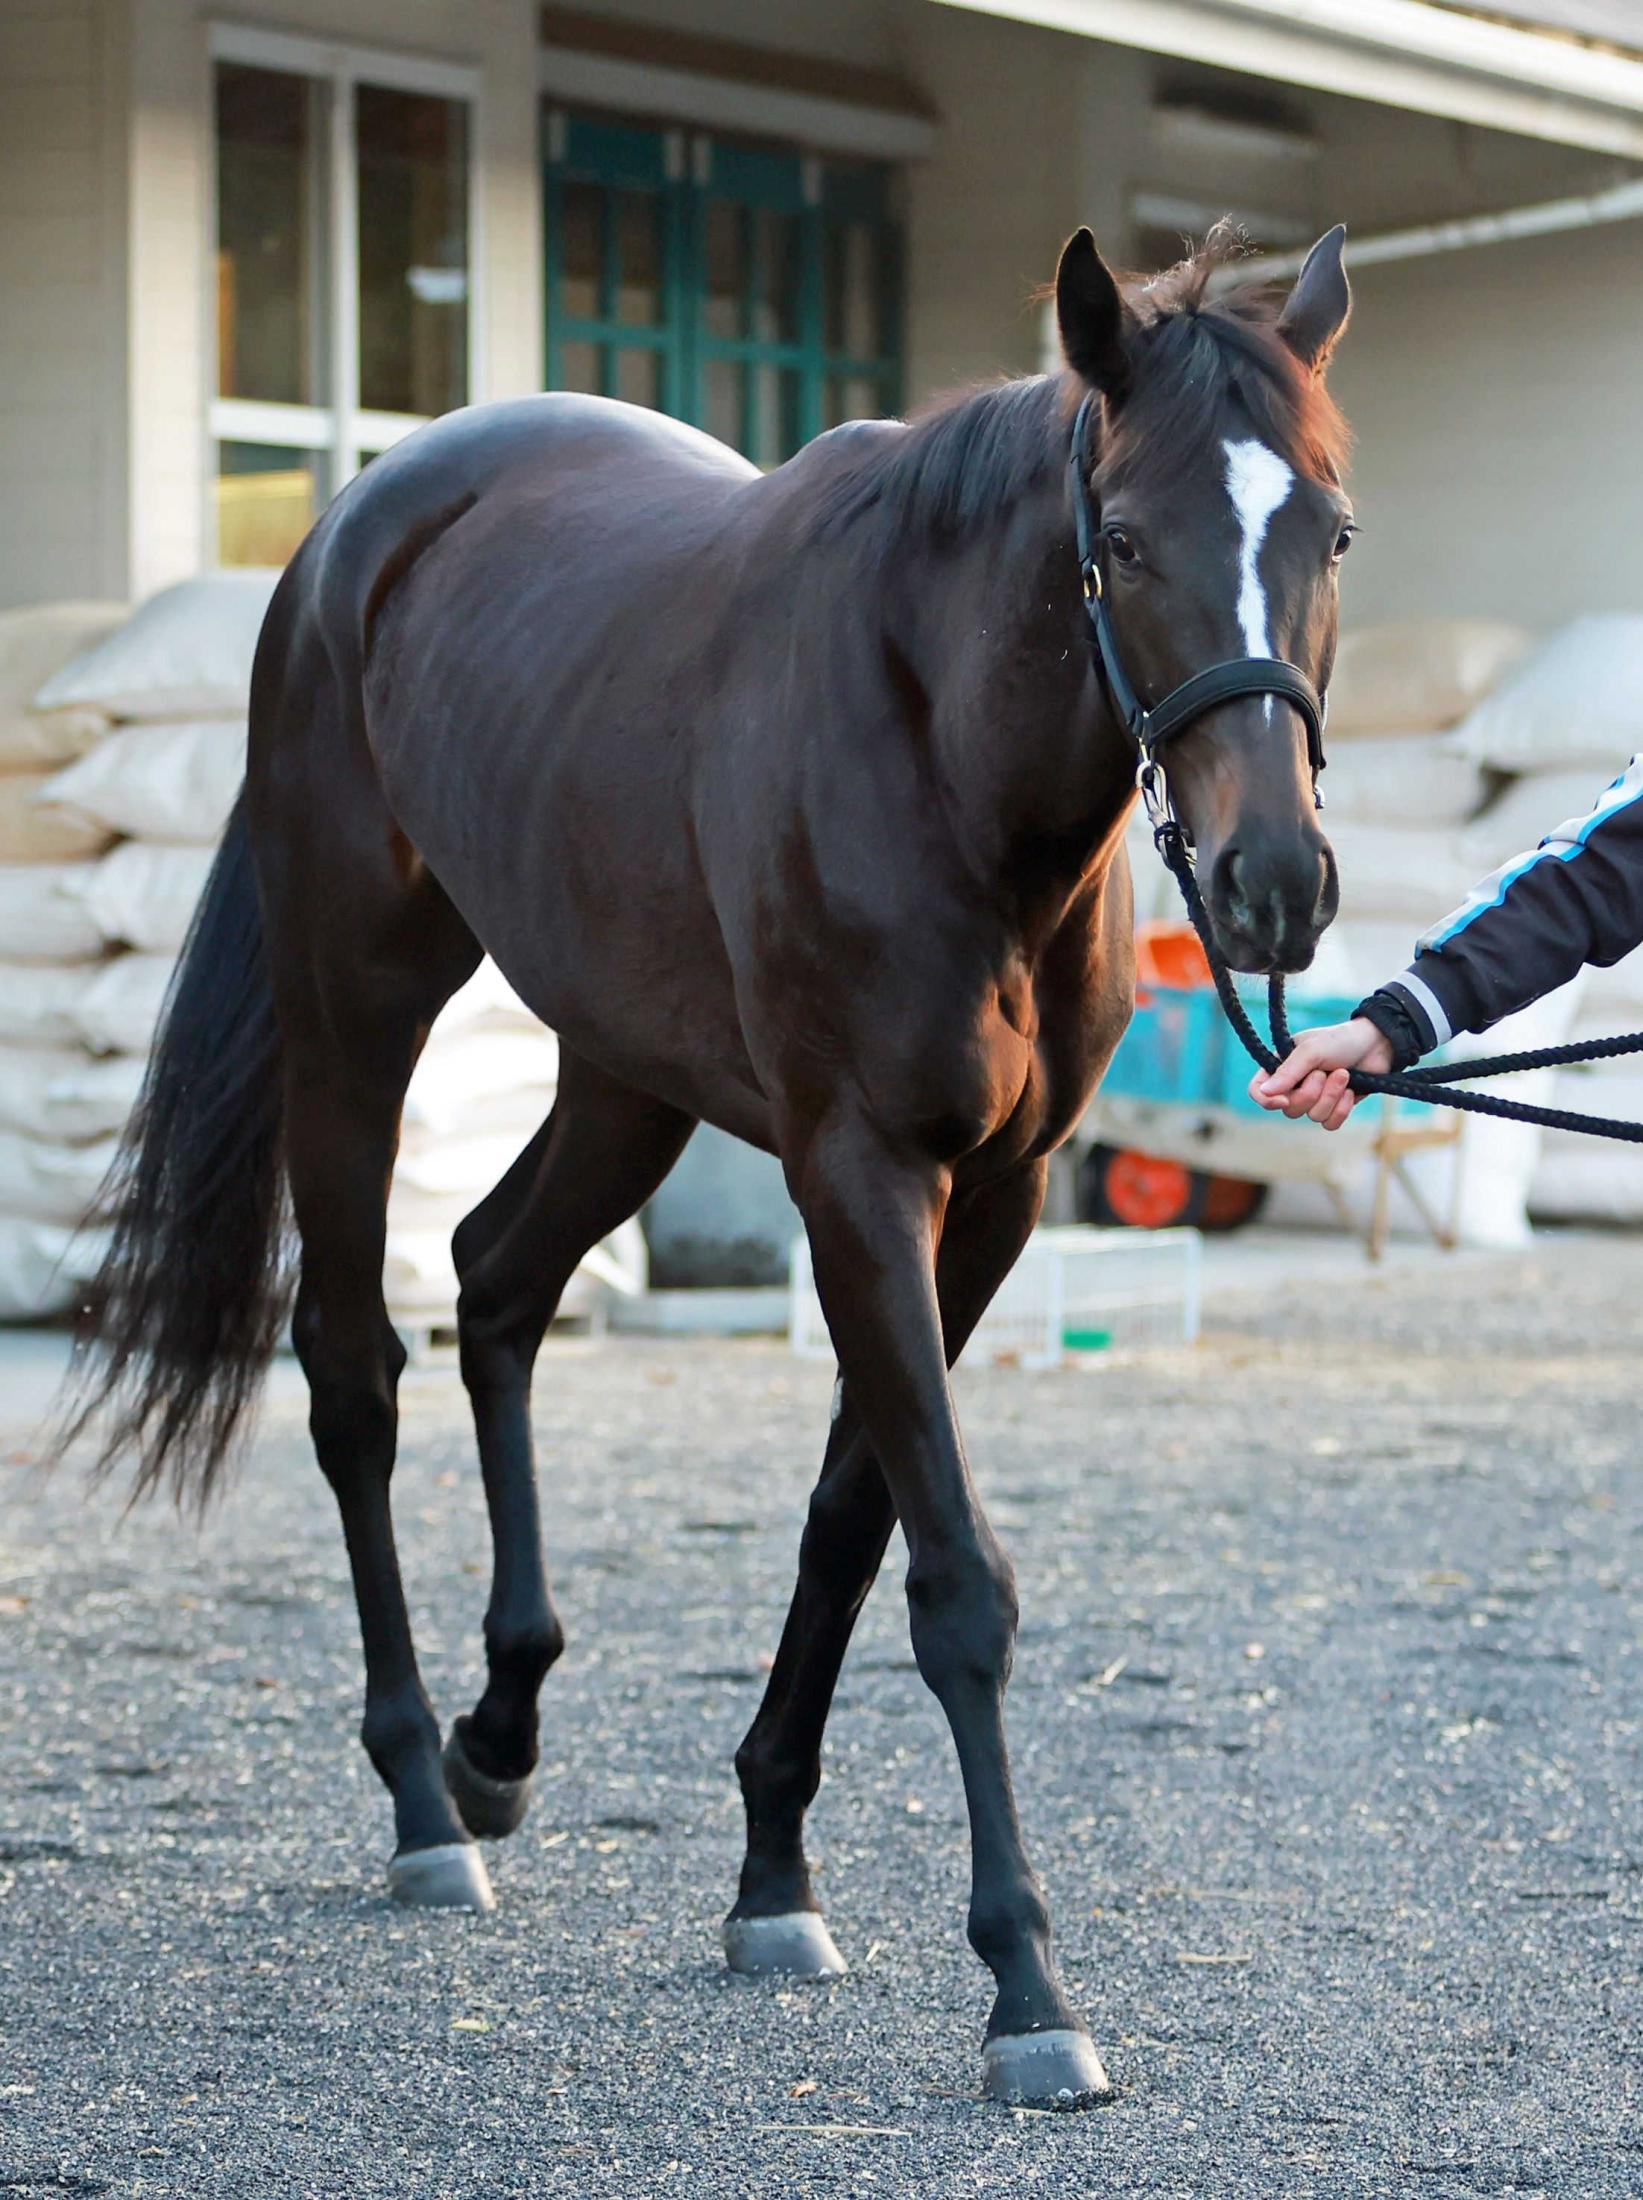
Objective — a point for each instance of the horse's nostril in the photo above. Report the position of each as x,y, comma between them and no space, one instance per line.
1230,878
1323,909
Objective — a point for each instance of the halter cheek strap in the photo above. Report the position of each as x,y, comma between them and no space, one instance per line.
1183,705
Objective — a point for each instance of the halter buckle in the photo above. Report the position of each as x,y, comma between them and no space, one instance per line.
1149,777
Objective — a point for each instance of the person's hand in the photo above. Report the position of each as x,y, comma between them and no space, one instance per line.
1312,1080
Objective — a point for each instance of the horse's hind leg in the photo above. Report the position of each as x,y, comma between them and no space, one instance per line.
596,1160
364,949
776,1924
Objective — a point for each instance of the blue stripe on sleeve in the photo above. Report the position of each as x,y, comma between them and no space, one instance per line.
1561,846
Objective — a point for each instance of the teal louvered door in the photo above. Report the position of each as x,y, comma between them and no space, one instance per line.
752,290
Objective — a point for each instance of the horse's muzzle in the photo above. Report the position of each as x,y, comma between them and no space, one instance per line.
1270,906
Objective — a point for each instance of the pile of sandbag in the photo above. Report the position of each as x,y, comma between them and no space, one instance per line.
117,784
54,1118
1564,726
1407,796
1546,727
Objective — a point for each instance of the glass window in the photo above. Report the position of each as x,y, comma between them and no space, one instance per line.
725,271
639,376
270,234
582,367
853,279
639,259
412,153
299,386
778,274
582,250
268,496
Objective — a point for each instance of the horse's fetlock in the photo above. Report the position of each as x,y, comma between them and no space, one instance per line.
525,1651
1000,1922
395,1727
775,1781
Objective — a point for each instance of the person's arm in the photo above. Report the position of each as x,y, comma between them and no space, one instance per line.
1525,930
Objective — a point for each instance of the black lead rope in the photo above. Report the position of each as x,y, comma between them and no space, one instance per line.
1432,1085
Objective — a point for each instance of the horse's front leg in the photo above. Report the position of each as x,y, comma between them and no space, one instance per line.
776,1925
875,1218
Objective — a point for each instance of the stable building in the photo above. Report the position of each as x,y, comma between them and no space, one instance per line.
245,249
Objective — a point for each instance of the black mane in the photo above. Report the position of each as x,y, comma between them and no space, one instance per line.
957,465
965,459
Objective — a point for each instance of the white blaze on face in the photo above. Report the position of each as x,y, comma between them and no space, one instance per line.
1257,482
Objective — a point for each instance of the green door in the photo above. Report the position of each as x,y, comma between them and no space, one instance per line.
752,290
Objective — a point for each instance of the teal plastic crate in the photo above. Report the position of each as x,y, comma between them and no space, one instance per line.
1180,1050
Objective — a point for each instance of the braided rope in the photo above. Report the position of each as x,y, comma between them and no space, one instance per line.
1431,1085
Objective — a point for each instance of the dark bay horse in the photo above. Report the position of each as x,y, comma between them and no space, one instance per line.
793,804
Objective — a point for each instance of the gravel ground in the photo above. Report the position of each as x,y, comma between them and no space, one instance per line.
1326,1725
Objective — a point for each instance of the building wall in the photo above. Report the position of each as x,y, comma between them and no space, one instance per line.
170,169
1038,136
1484,386
62,324
1499,465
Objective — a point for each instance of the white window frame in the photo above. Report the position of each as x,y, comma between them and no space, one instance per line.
343,431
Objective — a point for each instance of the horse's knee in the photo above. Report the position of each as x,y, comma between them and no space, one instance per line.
830,1550
963,1611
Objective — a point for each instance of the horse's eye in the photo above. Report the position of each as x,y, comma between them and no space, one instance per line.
1343,542
1121,545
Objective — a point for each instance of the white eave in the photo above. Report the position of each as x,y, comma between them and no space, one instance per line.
1401,53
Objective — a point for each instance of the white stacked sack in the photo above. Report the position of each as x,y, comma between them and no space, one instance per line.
53,1129
140,801
1564,725
1407,797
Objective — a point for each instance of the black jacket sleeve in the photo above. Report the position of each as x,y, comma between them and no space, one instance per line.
1527,928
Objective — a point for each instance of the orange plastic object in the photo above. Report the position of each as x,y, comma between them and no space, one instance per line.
1170,954
1145,1192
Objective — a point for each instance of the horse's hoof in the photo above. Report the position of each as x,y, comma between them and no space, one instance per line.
450,1877
797,1944
492,1809
1059,2069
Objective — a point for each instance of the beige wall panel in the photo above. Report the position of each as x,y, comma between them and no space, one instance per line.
864,33
46,49
62,324
1017,165
49,180
68,242
1499,466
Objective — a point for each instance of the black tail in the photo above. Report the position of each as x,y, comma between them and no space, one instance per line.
186,1309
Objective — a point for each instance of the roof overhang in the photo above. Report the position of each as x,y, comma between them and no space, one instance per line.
1400,53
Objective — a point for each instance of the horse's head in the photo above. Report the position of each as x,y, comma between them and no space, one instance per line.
1221,523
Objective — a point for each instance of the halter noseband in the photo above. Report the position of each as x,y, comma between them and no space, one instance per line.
1183,705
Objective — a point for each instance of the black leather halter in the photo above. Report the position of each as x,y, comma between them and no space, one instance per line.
1151,728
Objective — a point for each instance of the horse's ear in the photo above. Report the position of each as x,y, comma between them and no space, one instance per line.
1317,308
1092,316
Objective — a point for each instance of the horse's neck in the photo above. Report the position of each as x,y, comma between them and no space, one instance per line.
1040,773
